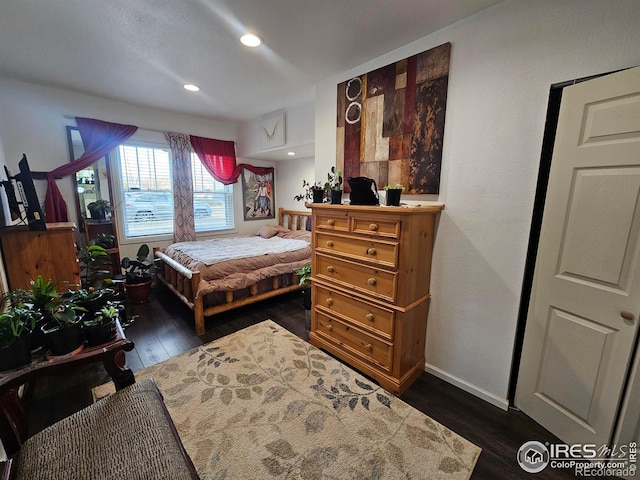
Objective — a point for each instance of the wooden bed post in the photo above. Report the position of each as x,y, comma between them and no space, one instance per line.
198,309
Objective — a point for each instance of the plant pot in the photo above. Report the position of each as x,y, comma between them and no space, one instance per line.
393,197
37,337
336,197
306,298
93,305
62,340
99,334
318,196
17,354
138,292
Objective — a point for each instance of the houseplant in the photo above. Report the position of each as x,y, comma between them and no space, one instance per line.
93,259
304,276
333,186
16,326
42,293
102,326
138,275
99,209
393,194
63,332
314,192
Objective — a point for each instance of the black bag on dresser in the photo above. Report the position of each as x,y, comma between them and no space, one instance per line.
361,191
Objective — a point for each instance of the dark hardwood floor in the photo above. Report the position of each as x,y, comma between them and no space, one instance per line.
165,328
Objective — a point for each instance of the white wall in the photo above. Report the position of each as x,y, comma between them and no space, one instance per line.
32,121
503,61
289,176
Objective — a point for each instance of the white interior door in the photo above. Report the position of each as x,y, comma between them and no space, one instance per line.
583,315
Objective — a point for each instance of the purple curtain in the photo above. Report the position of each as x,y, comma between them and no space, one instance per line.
99,138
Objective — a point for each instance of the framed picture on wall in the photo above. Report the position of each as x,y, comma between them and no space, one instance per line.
258,193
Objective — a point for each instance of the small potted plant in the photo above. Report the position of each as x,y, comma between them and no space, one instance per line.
42,293
102,326
333,186
104,240
393,194
313,192
16,326
304,279
99,210
138,275
63,332
91,299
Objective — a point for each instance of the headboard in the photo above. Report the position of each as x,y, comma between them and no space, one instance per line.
294,220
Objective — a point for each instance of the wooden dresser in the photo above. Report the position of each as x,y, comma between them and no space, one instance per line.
51,253
371,268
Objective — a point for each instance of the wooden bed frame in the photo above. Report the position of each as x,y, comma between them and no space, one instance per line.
184,282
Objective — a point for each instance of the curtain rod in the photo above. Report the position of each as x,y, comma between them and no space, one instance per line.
72,117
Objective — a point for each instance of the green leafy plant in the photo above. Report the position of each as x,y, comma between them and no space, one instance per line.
63,313
43,292
334,180
16,322
304,275
139,270
92,259
99,209
107,314
309,189
104,240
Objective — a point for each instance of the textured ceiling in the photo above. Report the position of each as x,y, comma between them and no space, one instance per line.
142,51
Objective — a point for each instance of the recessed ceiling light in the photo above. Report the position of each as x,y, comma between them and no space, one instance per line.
291,154
250,40
191,87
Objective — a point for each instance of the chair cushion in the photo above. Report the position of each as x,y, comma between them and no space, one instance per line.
127,435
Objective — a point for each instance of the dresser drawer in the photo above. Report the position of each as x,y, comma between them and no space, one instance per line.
384,227
363,278
332,220
369,348
375,319
384,253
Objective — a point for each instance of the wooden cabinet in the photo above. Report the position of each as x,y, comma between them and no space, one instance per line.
51,253
371,270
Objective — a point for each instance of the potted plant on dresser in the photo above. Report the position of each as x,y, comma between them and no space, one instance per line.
138,275
333,186
16,326
313,192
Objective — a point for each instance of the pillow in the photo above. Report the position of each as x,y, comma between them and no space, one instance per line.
268,231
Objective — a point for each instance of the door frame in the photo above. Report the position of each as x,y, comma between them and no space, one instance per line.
548,142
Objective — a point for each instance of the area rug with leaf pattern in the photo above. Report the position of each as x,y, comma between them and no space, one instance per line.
263,404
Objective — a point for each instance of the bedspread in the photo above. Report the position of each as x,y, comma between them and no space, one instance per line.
240,273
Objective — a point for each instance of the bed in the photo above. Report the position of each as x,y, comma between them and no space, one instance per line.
210,279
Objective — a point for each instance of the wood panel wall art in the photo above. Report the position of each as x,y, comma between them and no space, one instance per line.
390,123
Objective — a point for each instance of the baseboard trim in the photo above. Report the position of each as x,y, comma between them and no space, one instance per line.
501,403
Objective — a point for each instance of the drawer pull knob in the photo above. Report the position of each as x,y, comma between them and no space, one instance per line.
371,251
368,347
370,317
331,222
373,227
329,243
329,301
371,281
330,269
329,328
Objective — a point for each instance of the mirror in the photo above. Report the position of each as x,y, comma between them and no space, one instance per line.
90,184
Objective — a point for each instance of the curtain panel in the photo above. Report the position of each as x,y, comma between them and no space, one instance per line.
98,138
184,229
218,157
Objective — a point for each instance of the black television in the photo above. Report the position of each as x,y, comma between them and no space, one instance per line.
28,195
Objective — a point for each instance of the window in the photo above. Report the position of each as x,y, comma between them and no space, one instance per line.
212,201
146,185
